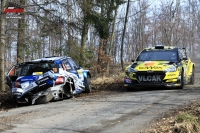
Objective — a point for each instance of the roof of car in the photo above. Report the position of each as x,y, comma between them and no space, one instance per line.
161,47
51,58
45,59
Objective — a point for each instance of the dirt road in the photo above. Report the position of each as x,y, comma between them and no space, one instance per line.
105,112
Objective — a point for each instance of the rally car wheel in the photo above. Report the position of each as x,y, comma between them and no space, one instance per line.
44,99
88,86
69,88
15,102
129,88
192,78
181,80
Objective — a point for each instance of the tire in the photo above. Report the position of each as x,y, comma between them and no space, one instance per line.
192,78
88,86
181,80
129,88
44,99
67,89
15,103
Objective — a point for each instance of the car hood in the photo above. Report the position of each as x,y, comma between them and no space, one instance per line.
152,65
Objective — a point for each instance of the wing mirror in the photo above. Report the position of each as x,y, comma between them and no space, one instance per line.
185,58
132,60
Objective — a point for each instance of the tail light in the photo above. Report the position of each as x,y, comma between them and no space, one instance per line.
59,80
17,84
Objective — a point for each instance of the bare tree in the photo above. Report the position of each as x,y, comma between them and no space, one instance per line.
123,35
2,48
21,36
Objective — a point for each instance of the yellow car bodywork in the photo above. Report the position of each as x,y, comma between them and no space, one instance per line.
160,73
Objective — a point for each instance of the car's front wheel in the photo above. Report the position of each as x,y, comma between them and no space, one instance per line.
88,85
129,88
181,80
44,99
192,78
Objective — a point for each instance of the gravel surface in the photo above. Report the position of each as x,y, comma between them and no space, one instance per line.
109,108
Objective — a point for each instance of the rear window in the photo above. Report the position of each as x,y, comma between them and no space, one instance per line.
36,68
160,55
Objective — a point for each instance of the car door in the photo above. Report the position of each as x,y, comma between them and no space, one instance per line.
188,64
76,69
183,62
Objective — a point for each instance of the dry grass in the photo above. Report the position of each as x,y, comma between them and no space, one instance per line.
182,120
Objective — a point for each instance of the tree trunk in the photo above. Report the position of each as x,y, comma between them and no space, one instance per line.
86,7
2,48
83,42
21,36
123,35
112,39
68,28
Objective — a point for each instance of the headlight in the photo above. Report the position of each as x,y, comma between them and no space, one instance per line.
171,69
132,70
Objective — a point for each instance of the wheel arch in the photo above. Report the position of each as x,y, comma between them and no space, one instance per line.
86,74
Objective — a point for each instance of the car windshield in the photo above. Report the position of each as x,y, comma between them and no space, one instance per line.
165,55
36,68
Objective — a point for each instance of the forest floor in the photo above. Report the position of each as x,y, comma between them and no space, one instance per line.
181,120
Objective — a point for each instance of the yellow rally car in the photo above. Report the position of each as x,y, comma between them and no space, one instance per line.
160,66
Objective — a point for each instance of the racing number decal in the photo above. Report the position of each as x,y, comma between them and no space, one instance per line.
80,73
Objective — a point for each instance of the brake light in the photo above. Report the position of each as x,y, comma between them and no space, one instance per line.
59,80
17,84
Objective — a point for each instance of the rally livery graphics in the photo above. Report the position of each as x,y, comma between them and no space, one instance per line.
46,79
160,66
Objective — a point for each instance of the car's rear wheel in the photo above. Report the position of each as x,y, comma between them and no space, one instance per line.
181,80
44,99
192,78
88,85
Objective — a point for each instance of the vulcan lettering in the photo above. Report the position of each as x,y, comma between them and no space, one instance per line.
156,78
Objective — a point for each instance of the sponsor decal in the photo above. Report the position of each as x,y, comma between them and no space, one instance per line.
149,64
150,67
42,80
31,86
171,75
28,78
156,78
42,84
37,73
127,80
49,73
25,84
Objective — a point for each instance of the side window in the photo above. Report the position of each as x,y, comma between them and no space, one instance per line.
12,72
180,54
15,71
55,67
73,64
184,53
66,65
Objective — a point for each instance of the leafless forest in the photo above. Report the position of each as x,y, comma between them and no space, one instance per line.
96,33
